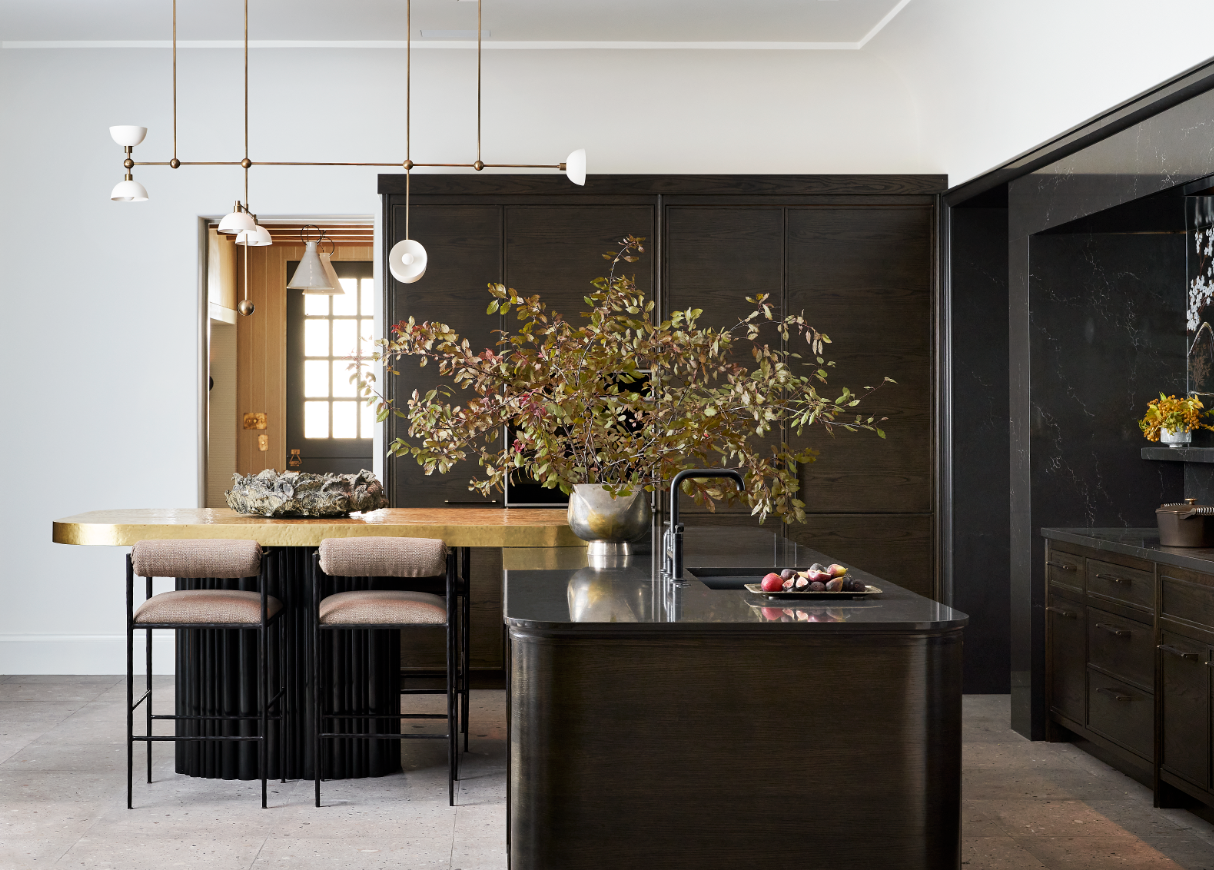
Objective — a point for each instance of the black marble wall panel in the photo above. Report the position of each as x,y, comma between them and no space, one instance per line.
1164,151
980,475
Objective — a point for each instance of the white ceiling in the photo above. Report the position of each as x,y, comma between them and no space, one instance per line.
831,23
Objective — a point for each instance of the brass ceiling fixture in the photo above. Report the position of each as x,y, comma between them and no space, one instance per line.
407,259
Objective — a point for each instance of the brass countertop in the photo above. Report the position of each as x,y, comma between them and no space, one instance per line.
458,527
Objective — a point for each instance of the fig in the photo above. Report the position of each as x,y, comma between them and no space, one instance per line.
802,616
837,570
787,574
789,584
771,583
800,584
855,586
835,585
817,586
817,566
820,576
772,614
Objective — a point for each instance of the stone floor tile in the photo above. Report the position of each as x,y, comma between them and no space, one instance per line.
33,853
996,853
1055,818
480,838
391,850
100,850
981,819
1096,853
47,819
68,757
1138,817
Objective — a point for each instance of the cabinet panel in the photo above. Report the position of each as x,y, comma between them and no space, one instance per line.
1186,716
1121,713
1189,598
1067,638
863,276
1123,647
1065,569
1120,583
464,247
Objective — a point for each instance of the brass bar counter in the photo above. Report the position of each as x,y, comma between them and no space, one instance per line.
216,670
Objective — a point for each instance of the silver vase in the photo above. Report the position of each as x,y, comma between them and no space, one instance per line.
608,523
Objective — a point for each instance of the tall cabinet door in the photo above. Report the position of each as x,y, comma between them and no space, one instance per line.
1186,714
464,244
862,275
716,256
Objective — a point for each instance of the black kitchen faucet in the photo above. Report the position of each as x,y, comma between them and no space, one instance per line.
672,540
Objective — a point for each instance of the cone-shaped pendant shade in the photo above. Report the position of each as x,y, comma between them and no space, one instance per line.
575,167
327,263
310,275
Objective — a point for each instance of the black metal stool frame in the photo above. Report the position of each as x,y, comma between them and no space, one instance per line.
451,691
262,688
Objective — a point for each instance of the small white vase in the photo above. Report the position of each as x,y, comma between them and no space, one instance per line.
1175,438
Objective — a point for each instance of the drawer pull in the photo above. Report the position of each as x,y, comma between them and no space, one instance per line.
1063,565
1112,629
1114,694
1114,578
1069,614
1178,652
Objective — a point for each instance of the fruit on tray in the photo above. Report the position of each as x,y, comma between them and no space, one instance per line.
837,570
772,583
815,578
835,585
817,586
787,574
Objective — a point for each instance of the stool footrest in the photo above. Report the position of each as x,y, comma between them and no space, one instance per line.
385,736
138,738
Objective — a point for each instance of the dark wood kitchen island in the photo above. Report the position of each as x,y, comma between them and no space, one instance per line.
697,727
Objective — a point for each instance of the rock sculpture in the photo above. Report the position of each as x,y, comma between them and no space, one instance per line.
299,494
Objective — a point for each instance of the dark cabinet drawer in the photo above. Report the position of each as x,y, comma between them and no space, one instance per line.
1123,647
1128,585
1064,568
1122,713
1184,693
1067,640
1189,599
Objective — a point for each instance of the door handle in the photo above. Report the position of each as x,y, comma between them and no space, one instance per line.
1112,629
1178,652
1063,565
1114,694
1114,578
1069,614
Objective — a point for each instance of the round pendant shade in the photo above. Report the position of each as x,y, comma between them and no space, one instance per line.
310,276
127,135
237,222
407,261
129,191
575,167
258,237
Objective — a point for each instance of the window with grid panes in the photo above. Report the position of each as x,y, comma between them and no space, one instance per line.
335,329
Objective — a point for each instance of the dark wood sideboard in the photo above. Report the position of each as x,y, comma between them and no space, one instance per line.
1129,658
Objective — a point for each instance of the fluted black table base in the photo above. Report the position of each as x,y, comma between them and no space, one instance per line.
217,674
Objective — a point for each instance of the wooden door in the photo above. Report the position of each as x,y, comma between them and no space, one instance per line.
1186,713
1066,634
329,428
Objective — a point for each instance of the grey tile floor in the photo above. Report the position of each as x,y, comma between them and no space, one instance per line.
62,790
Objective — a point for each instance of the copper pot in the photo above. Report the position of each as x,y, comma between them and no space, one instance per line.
1186,524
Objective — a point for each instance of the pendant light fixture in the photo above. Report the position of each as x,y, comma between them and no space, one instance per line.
310,275
326,263
407,259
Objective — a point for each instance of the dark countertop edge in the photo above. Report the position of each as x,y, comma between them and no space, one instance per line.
1203,564
1178,454
618,629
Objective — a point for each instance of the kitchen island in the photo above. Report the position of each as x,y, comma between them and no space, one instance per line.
684,726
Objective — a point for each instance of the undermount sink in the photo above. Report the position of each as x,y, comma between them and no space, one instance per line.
728,578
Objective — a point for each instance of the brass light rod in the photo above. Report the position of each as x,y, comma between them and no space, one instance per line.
312,163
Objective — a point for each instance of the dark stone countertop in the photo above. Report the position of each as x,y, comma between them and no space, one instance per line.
1143,543
554,589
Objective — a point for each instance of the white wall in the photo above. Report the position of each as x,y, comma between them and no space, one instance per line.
98,335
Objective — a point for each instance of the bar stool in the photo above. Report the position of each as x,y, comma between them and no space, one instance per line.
198,609
385,609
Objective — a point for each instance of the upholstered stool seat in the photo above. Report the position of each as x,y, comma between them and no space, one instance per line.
202,606
192,613
383,607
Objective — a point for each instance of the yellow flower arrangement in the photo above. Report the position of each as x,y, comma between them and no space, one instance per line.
1173,414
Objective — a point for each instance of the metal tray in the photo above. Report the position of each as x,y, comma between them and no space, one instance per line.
869,592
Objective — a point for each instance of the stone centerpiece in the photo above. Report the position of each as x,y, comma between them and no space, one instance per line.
299,494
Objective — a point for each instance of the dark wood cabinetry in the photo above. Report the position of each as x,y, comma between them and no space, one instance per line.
856,254
1130,665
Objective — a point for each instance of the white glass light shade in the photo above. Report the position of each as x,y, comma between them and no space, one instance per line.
407,261
575,167
237,222
258,237
326,262
310,275
127,135
129,191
